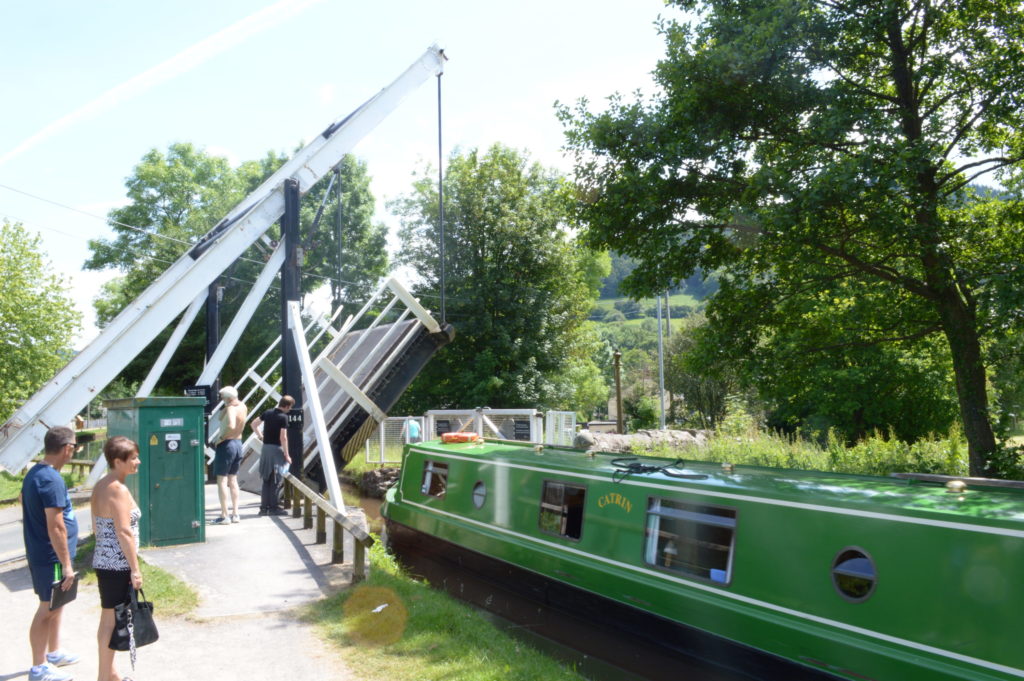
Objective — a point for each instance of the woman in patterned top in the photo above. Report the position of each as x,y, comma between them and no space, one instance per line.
115,523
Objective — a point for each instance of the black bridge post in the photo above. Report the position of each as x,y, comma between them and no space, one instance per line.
213,295
291,290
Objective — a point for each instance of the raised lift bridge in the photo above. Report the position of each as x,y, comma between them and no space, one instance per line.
360,381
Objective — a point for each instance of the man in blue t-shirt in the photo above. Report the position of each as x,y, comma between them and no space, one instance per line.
51,539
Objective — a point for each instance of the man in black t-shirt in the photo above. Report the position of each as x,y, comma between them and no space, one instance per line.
271,427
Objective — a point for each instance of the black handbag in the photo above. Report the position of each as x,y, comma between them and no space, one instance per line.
134,625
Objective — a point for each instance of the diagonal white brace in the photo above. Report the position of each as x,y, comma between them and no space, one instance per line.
421,312
346,384
157,370
227,343
313,406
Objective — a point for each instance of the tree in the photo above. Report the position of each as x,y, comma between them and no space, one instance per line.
37,318
177,197
801,147
518,288
701,382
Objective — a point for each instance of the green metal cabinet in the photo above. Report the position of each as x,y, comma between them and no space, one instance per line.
169,484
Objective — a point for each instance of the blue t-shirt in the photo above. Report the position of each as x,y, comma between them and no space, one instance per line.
44,488
414,430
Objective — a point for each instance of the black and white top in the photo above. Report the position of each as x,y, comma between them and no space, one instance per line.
108,555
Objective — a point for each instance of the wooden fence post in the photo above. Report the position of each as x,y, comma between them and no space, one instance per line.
321,526
338,545
359,562
296,502
307,513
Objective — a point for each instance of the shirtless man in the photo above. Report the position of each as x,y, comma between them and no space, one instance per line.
228,455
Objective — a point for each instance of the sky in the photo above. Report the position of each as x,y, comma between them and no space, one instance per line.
88,88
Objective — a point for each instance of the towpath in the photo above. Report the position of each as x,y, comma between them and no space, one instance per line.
250,577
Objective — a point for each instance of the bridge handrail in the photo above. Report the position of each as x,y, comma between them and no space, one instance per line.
324,510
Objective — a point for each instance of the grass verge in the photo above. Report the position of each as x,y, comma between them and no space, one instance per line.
172,596
421,634
10,485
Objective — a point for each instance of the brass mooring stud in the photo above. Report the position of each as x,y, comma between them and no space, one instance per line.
956,486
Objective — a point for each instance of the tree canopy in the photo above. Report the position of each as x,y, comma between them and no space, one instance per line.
821,156
518,287
178,196
37,318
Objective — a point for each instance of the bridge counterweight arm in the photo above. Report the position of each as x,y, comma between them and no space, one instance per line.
142,320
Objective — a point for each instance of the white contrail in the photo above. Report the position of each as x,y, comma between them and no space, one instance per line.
180,63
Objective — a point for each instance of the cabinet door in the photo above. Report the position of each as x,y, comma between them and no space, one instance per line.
172,481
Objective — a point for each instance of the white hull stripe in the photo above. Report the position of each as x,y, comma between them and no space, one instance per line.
1013,671
964,527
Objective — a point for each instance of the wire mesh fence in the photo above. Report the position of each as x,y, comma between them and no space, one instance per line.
384,447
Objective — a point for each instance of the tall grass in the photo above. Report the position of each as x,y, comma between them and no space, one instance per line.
878,454
396,628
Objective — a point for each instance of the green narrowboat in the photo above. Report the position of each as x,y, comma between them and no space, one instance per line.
776,573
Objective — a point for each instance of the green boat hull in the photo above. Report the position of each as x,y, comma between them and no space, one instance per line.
938,603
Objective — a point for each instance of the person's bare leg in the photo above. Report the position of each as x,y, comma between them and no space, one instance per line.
39,632
53,638
233,487
222,492
107,671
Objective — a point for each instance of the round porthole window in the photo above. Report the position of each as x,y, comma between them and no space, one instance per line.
479,494
853,573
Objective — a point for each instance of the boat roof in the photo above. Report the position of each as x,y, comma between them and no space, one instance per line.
915,495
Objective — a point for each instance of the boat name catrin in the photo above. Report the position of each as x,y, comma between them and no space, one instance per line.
617,499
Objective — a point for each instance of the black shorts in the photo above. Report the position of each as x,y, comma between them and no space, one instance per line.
113,586
227,457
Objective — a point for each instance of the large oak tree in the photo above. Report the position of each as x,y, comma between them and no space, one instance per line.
808,147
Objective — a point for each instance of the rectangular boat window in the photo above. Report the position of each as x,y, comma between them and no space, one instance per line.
435,478
694,539
561,509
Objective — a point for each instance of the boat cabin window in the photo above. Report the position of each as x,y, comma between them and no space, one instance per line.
853,573
435,478
561,509
694,539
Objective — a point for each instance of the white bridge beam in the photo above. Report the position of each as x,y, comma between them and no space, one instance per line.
58,401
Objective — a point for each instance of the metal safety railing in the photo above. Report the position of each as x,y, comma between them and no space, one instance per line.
385,444
303,499
528,425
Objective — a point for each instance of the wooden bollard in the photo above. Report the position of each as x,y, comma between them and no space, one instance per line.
338,544
321,526
307,513
296,502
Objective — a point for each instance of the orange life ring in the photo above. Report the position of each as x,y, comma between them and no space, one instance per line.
460,436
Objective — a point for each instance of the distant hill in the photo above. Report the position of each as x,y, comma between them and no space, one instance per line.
623,265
